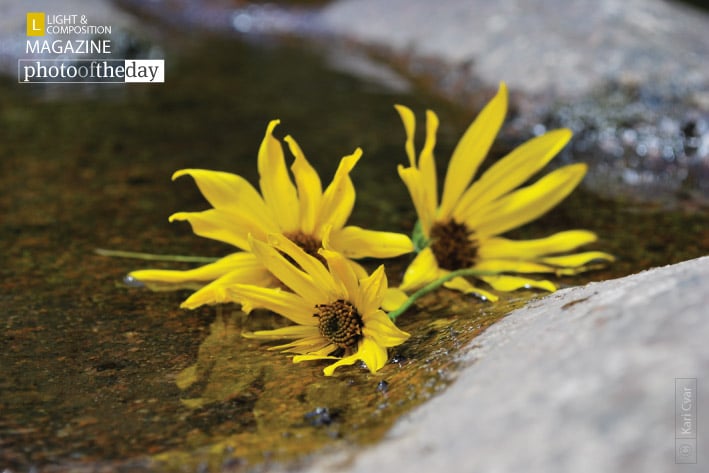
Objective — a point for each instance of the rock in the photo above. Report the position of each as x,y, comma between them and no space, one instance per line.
630,78
643,142
582,380
564,47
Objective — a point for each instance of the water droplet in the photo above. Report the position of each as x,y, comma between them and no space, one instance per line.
130,281
319,416
382,386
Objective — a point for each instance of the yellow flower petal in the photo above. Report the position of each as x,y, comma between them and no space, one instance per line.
339,197
231,226
155,280
510,172
310,342
217,292
319,355
314,344
379,327
293,331
498,247
309,187
528,203
208,272
372,354
287,304
393,299
356,267
427,163
513,266
464,286
289,274
342,271
226,190
409,121
512,283
471,150
356,242
309,264
346,361
578,259
276,186
371,292
422,270
414,182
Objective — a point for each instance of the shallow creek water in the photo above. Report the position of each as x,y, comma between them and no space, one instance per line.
97,375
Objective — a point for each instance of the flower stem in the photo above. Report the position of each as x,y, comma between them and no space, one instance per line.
154,257
435,285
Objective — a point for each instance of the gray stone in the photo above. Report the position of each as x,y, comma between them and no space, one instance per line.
568,47
582,380
630,78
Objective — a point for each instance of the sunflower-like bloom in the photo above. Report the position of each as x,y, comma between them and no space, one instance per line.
303,212
463,230
337,314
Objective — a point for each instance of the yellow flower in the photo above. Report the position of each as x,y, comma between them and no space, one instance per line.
303,212
338,314
462,231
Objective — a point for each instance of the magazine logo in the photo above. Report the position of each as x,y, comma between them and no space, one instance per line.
62,71
35,24
58,44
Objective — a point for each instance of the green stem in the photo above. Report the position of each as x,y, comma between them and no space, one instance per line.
153,257
435,285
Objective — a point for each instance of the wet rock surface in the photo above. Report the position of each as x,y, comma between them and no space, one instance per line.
582,380
642,143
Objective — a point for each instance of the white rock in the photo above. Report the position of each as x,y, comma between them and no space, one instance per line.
539,46
580,381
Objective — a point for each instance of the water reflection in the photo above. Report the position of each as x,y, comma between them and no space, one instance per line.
223,369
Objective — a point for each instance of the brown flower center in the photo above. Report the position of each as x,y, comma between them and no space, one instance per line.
308,243
452,246
340,323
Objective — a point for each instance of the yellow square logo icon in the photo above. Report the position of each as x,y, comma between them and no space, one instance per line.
35,24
